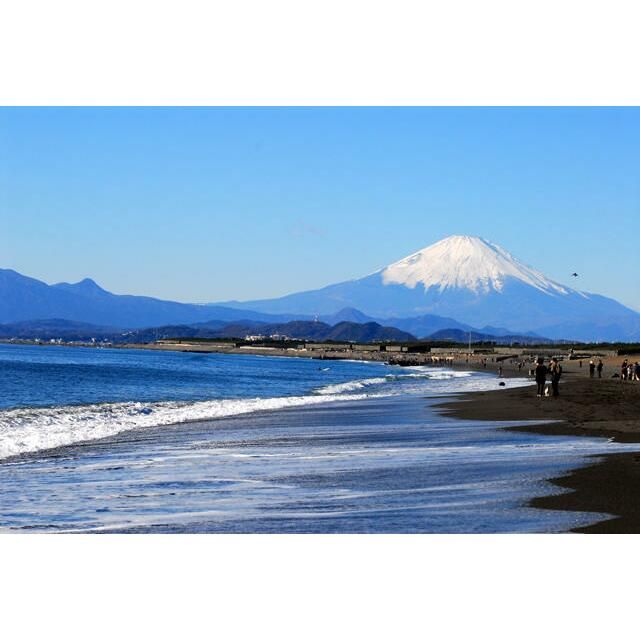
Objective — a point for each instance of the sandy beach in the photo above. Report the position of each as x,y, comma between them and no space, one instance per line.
606,407
600,480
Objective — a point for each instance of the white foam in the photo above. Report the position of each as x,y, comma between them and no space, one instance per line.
438,375
346,387
418,372
35,429
26,430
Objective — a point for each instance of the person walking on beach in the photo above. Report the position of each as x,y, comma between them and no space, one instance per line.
556,373
600,367
592,369
541,376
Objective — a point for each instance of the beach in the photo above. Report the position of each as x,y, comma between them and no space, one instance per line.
146,441
150,440
607,408
378,465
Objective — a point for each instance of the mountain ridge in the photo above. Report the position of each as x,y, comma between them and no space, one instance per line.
86,301
57,328
71,331
475,282
460,282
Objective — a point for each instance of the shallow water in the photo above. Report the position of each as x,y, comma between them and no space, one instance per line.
55,396
357,449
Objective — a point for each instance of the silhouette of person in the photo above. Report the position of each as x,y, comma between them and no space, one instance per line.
541,376
556,373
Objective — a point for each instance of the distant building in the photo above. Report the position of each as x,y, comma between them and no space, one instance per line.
367,347
322,346
204,344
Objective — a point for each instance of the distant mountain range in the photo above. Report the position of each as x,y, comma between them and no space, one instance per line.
69,330
297,329
23,298
460,283
321,331
473,282
55,328
26,300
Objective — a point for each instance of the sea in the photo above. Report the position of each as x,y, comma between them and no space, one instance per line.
140,441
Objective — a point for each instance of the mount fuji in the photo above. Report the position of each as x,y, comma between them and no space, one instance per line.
474,282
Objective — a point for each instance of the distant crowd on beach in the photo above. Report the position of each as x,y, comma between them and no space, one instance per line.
628,370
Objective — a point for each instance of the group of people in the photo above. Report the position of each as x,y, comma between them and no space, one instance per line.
630,370
542,371
593,367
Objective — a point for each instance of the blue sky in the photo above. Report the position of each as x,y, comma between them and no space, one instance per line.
224,203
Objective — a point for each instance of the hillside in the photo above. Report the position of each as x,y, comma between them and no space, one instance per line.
474,282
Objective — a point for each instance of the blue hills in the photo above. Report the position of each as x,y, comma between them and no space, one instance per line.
23,298
476,284
30,307
460,283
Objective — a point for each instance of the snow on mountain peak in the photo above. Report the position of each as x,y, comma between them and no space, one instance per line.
466,262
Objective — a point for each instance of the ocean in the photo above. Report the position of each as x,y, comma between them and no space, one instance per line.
124,440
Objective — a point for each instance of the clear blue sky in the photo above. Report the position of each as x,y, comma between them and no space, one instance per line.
223,203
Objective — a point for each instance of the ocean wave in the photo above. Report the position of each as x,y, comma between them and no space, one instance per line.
435,373
417,373
27,430
355,385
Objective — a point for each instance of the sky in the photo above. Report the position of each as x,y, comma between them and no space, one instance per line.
215,204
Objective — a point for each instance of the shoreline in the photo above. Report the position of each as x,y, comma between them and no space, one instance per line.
324,461
605,408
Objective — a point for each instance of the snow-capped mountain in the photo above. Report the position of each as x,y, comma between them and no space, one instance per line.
465,262
460,283
475,282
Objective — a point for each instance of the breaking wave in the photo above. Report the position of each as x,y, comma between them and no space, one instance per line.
416,373
347,387
28,430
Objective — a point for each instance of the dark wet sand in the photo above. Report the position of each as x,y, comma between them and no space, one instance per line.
592,407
